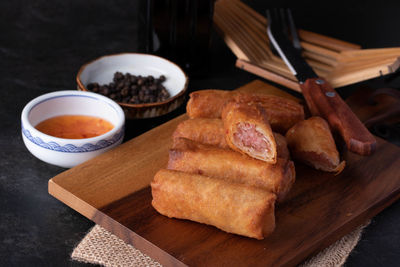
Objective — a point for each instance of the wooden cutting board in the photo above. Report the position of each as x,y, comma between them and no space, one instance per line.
113,191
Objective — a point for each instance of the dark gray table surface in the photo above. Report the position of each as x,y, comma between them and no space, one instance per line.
42,46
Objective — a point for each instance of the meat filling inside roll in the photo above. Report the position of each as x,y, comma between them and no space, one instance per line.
248,131
250,139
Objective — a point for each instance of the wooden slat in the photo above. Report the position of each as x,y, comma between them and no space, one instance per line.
319,50
248,35
233,41
327,42
320,58
383,65
344,77
257,70
365,55
279,68
322,68
240,9
251,12
375,53
229,41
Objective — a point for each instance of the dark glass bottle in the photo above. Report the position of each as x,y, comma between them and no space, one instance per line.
180,30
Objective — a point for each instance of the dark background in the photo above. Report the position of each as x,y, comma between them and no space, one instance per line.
42,46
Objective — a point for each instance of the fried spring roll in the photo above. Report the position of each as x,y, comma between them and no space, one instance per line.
211,132
207,103
202,130
234,208
247,130
192,157
311,142
282,113
282,150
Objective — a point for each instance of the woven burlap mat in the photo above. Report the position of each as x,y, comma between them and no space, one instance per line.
102,247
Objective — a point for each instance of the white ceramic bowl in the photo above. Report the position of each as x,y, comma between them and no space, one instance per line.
70,152
102,71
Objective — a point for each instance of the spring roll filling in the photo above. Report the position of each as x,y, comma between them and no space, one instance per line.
248,137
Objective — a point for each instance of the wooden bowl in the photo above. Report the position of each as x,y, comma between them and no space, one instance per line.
102,70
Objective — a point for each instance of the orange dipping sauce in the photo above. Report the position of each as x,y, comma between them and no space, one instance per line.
74,126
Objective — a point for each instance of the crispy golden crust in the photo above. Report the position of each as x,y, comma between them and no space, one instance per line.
282,113
248,131
282,150
311,142
207,103
202,130
192,157
234,208
211,132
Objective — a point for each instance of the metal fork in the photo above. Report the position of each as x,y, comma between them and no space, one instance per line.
283,17
280,21
320,96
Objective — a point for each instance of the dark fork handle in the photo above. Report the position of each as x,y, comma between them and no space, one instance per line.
324,101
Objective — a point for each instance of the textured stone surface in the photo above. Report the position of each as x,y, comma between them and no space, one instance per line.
42,46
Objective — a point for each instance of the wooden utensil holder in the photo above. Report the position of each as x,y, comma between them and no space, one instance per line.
340,63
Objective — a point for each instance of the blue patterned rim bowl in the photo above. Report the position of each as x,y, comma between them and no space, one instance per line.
67,153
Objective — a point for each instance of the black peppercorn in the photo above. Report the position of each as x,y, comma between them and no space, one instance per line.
125,91
129,88
140,81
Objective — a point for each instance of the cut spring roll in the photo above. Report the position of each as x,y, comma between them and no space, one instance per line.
311,142
247,130
234,208
193,157
211,132
282,113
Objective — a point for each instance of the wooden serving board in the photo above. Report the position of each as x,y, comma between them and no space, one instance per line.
113,191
